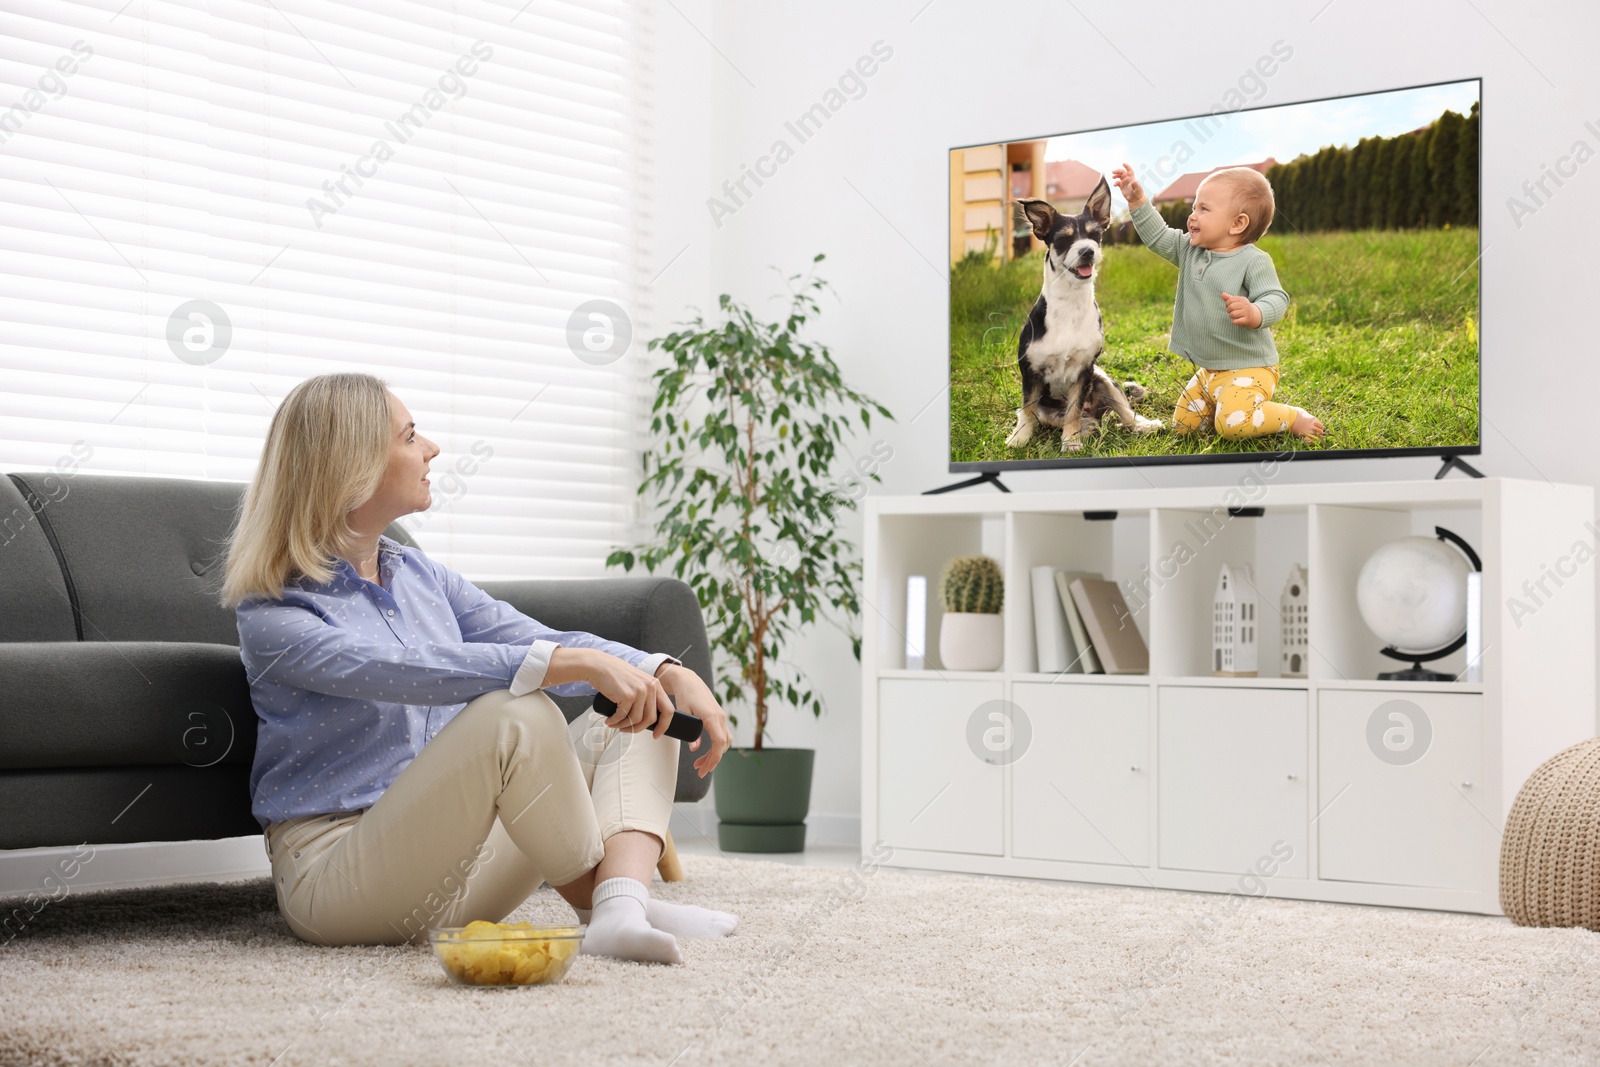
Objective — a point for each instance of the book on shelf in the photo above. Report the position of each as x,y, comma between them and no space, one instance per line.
1058,653
1086,658
1116,639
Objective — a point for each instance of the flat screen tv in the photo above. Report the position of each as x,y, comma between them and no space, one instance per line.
1353,330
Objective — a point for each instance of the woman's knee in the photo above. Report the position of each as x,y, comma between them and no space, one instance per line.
535,710
536,726
498,721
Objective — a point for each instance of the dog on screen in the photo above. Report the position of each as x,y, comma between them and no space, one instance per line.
1058,352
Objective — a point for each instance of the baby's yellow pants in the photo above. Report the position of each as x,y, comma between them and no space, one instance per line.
1236,403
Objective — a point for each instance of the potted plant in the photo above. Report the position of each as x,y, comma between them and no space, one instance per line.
971,637
742,460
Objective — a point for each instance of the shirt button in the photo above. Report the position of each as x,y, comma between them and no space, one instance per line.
391,611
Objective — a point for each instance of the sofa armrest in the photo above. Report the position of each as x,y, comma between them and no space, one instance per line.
653,613
121,703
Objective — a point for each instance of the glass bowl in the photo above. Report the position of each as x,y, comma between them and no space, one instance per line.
483,953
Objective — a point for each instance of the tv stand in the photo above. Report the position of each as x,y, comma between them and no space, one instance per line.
1457,461
986,476
1183,778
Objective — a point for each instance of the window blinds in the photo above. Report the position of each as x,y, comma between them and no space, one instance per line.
205,203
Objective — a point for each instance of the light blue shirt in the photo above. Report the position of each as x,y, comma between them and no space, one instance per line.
351,678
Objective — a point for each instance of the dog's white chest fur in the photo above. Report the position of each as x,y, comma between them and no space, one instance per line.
1071,336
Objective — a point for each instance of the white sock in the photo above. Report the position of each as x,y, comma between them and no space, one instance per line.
617,925
682,920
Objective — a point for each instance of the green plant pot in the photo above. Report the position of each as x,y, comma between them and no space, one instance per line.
762,799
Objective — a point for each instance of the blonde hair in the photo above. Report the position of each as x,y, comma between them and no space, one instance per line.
1251,195
326,453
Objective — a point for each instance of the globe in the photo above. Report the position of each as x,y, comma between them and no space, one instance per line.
1412,593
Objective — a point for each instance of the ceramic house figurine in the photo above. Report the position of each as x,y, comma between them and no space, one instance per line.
1292,610
1233,623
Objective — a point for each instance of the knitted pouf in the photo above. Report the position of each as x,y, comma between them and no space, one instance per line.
1550,853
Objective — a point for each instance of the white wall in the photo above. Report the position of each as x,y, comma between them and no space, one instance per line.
870,190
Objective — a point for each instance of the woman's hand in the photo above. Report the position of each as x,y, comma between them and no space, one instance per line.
641,699
695,698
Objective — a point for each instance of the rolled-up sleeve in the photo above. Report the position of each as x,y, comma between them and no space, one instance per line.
483,618
291,644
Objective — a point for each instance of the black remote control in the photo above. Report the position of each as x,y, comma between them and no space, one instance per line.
684,727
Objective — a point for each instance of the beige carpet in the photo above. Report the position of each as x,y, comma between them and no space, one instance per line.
830,967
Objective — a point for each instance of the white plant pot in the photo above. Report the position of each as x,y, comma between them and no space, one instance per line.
971,641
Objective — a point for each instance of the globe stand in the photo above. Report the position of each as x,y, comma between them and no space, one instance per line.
1417,672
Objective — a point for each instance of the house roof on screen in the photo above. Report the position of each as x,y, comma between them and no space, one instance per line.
1067,179
1184,186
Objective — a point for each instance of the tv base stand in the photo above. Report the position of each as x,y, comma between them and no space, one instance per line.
986,476
1457,461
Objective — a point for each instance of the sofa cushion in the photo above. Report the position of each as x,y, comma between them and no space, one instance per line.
144,556
105,704
38,606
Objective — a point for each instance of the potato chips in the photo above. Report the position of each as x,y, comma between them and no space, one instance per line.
486,953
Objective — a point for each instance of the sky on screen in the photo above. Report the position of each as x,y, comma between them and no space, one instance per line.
1248,136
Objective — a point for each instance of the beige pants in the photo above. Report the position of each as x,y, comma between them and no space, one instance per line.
506,796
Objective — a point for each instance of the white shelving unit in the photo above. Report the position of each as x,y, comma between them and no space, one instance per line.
1184,780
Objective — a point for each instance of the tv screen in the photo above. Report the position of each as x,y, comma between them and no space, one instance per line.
1300,279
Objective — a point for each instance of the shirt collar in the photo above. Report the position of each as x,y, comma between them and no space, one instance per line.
387,547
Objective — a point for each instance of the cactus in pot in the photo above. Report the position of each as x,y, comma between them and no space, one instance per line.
973,584
971,633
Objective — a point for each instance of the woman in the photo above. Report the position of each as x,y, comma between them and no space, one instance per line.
410,771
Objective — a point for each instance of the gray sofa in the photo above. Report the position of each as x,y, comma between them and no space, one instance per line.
125,714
